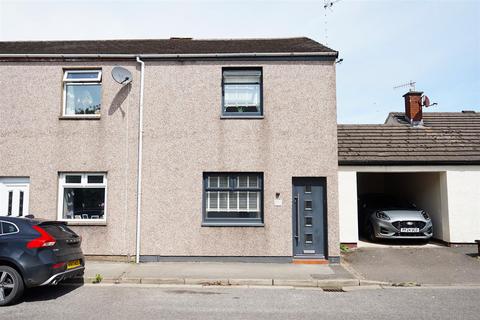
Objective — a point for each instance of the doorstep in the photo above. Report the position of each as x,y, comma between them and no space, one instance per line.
309,261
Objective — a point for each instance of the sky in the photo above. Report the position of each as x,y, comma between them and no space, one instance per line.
383,43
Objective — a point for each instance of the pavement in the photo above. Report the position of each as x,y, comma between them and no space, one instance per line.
221,273
384,265
130,301
415,265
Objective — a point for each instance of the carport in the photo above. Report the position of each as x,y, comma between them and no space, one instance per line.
434,164
426,189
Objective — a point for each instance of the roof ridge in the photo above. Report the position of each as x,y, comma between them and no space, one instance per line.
160,39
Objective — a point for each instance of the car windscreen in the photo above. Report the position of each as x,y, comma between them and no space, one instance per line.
385,202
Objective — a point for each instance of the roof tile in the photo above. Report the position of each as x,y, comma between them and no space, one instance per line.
445,137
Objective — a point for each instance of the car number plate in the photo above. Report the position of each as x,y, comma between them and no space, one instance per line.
73,264
409,230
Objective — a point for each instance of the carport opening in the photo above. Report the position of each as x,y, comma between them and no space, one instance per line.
424,189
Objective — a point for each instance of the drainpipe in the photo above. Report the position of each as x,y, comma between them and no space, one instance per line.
139,163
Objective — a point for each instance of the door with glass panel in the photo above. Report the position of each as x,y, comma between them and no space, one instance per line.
14,197
309,210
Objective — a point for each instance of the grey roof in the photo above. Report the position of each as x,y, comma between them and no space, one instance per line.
445,138
166,46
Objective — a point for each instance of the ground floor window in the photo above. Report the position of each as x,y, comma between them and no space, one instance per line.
233,199
82,196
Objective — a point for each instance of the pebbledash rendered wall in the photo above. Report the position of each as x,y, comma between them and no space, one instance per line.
36,143
184,137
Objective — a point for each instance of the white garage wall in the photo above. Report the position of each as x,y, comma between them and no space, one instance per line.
428,191
347,207
463,189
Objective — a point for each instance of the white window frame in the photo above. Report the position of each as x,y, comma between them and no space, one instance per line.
97,79
79,82
62,184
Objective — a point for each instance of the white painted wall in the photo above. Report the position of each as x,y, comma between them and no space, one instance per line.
347,208
463,188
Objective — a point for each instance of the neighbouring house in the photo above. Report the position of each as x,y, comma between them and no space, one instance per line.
239,152
429,158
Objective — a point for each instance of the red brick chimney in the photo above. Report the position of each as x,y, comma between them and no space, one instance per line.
413,107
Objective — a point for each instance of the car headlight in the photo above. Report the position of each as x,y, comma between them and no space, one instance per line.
382,215
425,215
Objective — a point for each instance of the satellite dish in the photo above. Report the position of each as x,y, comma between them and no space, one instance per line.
426,101
121,75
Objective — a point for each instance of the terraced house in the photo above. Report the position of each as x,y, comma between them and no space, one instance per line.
209,148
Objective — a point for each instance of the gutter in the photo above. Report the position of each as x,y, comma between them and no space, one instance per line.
139,160
169,56
360,163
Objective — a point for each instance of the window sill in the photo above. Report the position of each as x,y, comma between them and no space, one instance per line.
79,117
85,223
236,224
241,117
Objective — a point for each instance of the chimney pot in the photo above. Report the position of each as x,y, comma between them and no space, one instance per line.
413,107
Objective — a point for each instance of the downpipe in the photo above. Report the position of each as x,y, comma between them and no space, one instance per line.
139,161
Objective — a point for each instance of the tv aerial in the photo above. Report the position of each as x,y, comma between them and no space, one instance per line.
410,84
327,4
121,75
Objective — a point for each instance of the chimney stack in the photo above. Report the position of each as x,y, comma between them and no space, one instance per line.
413,107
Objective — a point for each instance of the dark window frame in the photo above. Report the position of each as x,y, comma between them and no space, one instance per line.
254,115
232,222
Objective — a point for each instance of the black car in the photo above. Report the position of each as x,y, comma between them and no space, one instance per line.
35,253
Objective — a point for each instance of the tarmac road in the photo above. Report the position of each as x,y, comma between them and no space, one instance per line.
192,302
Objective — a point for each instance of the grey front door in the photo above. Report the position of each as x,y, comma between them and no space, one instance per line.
309,207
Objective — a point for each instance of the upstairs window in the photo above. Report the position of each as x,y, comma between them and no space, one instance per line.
82,93
233,199
242,92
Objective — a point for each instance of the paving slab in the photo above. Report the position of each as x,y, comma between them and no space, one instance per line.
228,270
215,273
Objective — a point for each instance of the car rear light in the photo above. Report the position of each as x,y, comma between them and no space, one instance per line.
45,239
58,265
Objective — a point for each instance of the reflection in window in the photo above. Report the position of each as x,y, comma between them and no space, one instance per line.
82,93
10,203
82,196
308,204
242,92
308,238
232,198
308,221
80,203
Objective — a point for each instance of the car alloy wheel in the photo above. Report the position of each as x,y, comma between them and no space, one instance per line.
11,285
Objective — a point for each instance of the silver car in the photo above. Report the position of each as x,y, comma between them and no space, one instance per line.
386,217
